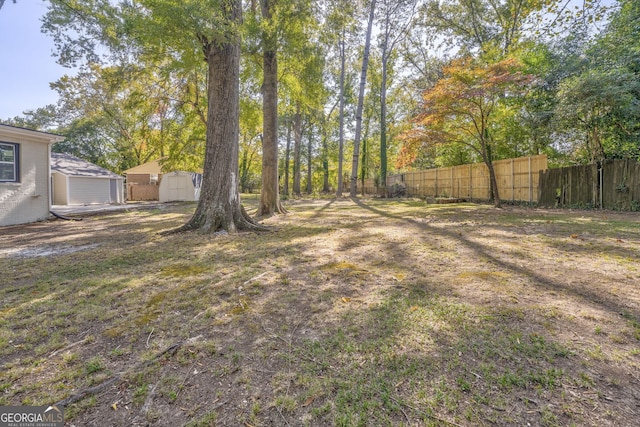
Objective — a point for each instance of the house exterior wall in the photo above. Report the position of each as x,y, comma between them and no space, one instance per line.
29,199
60,187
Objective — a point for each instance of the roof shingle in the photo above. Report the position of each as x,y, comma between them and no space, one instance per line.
69,165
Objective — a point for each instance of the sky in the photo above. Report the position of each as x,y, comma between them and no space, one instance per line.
27,65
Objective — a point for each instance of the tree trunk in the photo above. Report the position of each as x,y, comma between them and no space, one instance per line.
244,172
325,159
487,157
364,166
341,116
383,125
365,154
297,145
494,184
287,156
309,154
363,81
219,206
269,195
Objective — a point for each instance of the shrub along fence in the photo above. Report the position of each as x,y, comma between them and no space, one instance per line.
611,184
517,181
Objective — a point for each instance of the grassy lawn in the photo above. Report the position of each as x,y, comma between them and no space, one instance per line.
368,312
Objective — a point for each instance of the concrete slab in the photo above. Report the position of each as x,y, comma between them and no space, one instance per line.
75,210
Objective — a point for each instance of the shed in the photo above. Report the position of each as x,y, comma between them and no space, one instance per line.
180,186
143,181
145,173
25,189
78,182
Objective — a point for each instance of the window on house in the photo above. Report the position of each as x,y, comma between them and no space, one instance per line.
9,162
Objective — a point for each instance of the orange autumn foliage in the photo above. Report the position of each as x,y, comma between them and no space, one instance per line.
459,107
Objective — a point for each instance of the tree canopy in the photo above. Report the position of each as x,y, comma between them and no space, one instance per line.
448,82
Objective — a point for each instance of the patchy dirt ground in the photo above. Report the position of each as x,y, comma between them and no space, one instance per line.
365,312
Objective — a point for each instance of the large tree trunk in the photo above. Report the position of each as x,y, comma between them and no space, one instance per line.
383,126
269,196
219,205
341,116
363,81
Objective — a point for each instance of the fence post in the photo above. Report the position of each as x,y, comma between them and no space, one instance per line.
601,177
530,184
470,183
513,184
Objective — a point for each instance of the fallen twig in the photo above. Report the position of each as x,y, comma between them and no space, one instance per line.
283,418
88,391
147,343
433,417
70,346
274,335
255,278
405,414
95,389
186,377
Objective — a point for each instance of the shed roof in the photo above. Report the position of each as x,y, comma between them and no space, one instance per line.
69,165
152,167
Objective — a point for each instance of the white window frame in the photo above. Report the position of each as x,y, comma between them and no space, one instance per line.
15,164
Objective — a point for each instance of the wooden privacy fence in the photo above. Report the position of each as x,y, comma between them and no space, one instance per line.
611,184
143,192
517,180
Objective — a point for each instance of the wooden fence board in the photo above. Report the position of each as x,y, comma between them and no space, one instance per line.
613,185
517,180
143,192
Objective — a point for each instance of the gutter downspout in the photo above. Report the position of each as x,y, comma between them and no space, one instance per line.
49,177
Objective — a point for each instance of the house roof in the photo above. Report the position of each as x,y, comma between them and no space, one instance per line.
152,167
35,135
69,165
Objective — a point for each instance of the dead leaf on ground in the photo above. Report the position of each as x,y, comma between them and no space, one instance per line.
310,400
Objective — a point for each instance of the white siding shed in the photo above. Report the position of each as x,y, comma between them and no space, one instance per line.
180,186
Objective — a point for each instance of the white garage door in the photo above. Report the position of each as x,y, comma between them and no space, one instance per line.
87,191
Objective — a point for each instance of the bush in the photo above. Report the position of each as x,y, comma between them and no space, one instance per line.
397,190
